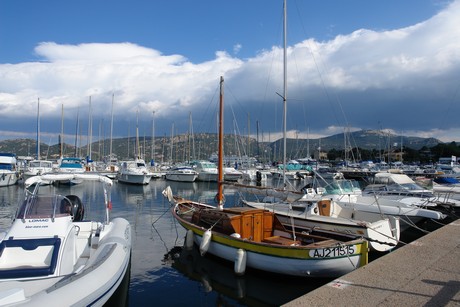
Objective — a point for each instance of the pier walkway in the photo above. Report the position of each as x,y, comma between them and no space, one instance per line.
425,272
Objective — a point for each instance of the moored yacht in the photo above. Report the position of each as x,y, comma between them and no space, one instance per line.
134,172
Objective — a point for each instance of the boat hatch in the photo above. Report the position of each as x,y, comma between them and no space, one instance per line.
21,258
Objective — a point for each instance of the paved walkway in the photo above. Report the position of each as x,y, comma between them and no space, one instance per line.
425,272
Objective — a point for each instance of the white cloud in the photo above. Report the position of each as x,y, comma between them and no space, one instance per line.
405,79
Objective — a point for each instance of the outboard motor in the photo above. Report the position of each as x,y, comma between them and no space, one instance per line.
77,209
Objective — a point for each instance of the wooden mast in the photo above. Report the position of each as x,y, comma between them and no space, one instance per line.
220,162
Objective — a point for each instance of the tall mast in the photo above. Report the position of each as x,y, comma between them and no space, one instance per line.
220,160
76,132
90,131
152,158
284,93
38,130
137,153
111,129
62,131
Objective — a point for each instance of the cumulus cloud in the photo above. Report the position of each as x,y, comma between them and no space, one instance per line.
402,79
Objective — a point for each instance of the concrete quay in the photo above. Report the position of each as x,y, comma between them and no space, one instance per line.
425,272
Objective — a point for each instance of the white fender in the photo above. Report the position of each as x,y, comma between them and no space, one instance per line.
240,262
189,240
205,242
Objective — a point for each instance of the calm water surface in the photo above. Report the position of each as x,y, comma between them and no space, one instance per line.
162,273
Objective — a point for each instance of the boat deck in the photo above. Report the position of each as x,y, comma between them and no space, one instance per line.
425,272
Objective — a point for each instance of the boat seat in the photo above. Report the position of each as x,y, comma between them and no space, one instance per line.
15,251
281,241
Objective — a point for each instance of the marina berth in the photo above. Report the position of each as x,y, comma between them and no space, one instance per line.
52,256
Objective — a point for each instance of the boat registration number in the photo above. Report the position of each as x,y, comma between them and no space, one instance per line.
331,252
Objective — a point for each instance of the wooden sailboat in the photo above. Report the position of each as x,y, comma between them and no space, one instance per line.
256,239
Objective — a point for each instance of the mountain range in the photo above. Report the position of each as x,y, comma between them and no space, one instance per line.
202,145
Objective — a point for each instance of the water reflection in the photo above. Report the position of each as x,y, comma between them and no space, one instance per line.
162,273
252,289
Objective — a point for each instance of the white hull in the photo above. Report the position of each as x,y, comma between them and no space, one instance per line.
8,178
52,256
293,267
94,285
407,215
134,178
181,177
208,177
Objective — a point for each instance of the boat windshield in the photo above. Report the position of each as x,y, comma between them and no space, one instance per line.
44,206
338,187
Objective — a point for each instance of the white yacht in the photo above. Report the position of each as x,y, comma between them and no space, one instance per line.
134,172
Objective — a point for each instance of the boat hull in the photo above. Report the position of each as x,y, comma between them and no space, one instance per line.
134,178
8,178
286,257
93,285
181,177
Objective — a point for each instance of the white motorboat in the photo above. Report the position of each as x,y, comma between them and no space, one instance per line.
207,171
348,194
181,173
402,188
71,165
37,168
51,256
134,172
232,174
8,171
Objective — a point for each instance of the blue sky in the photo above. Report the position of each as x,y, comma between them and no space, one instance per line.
360,64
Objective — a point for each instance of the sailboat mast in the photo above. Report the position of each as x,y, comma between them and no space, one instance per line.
111,128
62,131
137,153
90,131
152,154
220,160
284,92
77,132
38,130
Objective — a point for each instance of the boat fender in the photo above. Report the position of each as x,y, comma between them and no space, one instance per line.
240,262
189,240
205,242
235,235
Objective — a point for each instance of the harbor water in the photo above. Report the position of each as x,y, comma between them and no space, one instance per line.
162,272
